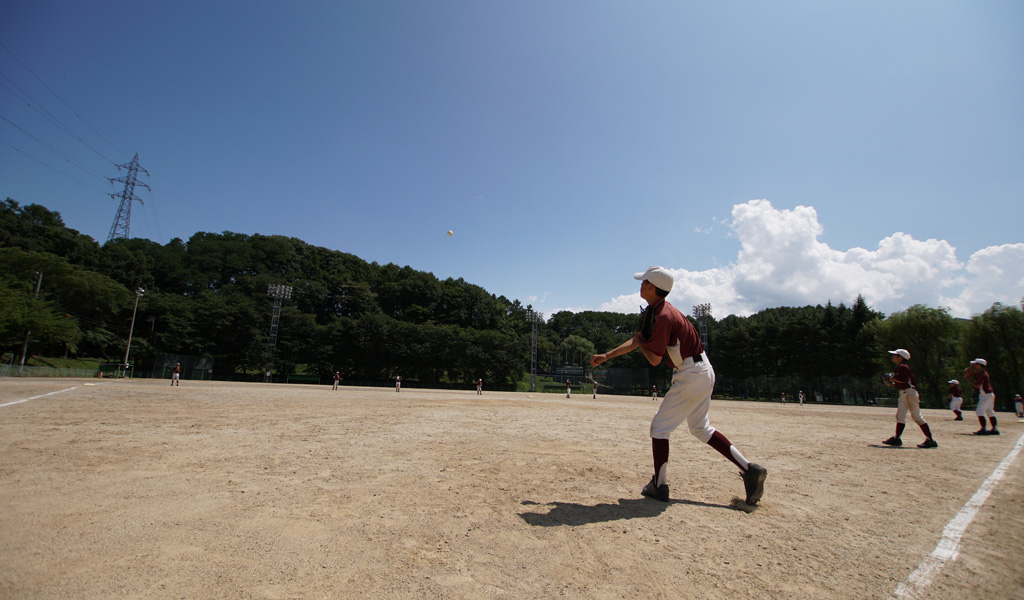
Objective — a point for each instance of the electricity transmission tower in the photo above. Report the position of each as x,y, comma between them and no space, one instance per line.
124,211
278,293
702,312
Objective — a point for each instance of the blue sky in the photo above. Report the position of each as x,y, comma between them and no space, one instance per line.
769,153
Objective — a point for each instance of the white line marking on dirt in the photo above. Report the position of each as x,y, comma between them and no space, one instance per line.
949,546
41,396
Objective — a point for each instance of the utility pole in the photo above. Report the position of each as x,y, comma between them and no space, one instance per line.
131,330
24,347
124,211
278,293
533,318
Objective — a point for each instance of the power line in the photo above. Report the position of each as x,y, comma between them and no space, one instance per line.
55,151
36,106
57,96
48,166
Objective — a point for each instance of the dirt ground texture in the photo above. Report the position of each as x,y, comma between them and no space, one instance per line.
135,489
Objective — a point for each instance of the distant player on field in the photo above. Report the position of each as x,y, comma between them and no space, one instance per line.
398,383
176,375
665,335
1018,403
956,399
568,388
978,376
910,401
337,380
479,387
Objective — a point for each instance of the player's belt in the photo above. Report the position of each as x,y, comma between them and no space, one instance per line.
696,358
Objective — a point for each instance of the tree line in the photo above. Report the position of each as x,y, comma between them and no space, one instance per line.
208,297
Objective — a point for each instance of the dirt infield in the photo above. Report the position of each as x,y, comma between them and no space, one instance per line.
134,489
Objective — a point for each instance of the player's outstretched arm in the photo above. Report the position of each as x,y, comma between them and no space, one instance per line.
624,348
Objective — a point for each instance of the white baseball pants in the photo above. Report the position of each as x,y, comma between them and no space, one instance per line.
688,400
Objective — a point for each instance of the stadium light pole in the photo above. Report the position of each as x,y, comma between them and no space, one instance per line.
278,293
131,330
702,312
533,318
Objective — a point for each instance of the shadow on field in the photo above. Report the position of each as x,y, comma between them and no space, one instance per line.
568,513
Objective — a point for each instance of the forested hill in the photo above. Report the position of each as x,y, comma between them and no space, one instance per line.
208,297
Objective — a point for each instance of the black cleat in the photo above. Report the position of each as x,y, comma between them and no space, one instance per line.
658,492
929,443
893,441
981,432
993,432
753,482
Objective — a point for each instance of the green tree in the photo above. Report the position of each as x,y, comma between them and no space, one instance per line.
576,350
996,335
34,228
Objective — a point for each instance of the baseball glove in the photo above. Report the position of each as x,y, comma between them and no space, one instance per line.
646,325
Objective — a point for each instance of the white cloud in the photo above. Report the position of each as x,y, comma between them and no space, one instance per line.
993,274
781,262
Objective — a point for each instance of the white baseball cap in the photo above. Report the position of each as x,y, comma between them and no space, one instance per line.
953,381
658,276
904,353
980,361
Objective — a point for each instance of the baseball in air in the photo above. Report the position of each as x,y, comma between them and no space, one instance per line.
450,233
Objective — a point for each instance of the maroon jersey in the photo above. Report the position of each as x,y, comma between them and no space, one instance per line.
982,381
904,378
671,328
955,391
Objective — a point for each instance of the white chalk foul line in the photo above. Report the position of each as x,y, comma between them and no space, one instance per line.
40,396
949,546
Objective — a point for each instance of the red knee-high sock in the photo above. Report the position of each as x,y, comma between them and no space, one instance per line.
927,431
660,449
721,443
899,429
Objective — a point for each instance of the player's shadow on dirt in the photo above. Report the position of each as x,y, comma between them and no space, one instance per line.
568,513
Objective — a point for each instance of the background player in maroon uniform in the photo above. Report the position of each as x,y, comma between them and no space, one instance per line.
979,378
956,399
910,402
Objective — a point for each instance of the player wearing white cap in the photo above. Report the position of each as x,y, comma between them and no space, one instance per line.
978,376
667,336
910,402
1018,404
956,399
